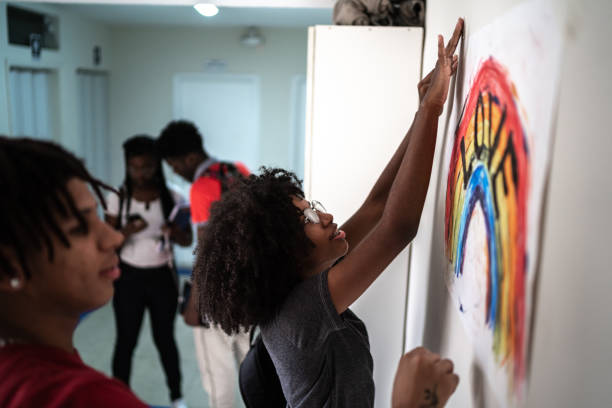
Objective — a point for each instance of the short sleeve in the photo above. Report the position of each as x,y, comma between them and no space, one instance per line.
308,315
204,192
112,204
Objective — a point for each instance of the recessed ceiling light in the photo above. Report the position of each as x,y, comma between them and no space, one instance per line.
206,9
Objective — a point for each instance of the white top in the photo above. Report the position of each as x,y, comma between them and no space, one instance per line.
144,249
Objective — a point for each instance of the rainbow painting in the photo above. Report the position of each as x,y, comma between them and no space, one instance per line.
491,193
490,169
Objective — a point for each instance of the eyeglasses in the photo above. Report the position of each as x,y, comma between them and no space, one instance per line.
311,213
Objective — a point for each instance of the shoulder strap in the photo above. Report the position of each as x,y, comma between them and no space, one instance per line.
259,382
226,173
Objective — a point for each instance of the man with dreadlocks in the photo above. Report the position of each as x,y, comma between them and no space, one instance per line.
57,260
143,213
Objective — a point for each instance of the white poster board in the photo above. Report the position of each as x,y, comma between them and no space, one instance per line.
495,166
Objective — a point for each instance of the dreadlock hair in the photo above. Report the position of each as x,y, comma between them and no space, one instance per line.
33,178
144,145
179,138
253,251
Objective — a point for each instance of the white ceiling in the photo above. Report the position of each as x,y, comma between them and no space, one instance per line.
221,3
114,14
262,13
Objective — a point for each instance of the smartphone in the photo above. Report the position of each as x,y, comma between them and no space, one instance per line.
137,220
134,217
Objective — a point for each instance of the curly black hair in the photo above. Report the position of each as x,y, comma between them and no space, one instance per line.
33,178
179,138
253,251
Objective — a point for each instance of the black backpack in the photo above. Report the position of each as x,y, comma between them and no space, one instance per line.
259,383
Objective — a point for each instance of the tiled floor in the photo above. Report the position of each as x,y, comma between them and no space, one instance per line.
95,339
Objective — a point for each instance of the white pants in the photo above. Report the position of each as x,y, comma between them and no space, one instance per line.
219,357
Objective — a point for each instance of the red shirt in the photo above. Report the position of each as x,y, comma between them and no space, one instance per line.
47,377
205,190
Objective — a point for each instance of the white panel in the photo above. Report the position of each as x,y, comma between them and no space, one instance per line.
100,125
93,122
86,119
30,100
84,113
26,103
362,98
225,108
298,125
40,105
15,103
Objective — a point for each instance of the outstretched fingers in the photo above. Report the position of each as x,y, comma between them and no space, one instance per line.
441,50
452,43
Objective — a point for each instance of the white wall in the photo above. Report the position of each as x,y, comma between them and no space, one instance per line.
361,103
147,58
77,37
571,356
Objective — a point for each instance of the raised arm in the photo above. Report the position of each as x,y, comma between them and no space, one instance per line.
368,215
405,193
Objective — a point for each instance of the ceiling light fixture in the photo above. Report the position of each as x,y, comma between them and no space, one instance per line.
206,9
252,38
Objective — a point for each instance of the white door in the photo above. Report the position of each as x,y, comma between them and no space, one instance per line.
225,108
31,96
362,97
93,122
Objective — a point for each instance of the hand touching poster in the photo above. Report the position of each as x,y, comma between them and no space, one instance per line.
496,157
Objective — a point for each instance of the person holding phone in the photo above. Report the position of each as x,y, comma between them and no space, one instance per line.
143,212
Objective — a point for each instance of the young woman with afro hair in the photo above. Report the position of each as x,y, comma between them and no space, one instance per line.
271,258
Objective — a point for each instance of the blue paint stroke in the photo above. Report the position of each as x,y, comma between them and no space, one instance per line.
479,191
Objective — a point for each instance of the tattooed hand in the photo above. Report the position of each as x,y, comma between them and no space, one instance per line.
431,398
423,380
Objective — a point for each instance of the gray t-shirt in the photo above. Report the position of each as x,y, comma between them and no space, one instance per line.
322,359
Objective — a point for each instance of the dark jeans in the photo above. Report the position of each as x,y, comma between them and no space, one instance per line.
136,290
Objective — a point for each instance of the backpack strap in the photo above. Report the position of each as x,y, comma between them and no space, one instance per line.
258,380
226,174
